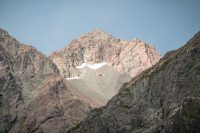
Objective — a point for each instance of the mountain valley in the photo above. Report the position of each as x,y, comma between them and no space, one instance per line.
99,84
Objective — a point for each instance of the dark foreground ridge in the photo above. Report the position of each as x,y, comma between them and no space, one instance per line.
164,98
33,96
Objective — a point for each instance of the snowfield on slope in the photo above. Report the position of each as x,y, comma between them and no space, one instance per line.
72,78
92,66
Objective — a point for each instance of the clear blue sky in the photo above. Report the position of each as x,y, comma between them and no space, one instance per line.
49,25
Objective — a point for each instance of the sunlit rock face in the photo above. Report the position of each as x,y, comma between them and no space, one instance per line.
33,96
130,57
162,99
97,64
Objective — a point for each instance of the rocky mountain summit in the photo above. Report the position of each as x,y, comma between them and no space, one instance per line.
33,96
97,64
130,57
162,99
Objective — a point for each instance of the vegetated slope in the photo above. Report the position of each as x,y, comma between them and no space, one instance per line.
164,98
33,96
122,59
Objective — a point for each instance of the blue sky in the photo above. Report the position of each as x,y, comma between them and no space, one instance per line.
50,25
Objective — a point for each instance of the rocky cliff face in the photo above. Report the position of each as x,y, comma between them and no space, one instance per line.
164,98
33,96
131,57
79,63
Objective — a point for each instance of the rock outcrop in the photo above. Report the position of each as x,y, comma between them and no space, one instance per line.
164,98
130,57
33,96
78,63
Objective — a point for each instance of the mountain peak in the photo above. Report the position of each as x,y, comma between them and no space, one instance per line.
96,33
3,32
99,31
98,46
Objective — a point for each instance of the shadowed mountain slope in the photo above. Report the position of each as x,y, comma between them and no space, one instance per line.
33,96
164,98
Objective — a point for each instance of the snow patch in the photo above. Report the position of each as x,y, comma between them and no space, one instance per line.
81,66
72,78
92,66
96,66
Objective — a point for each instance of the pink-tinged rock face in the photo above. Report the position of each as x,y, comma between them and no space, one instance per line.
122,60
131,57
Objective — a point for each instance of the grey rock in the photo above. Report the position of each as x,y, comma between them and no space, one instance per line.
164,98
33,96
